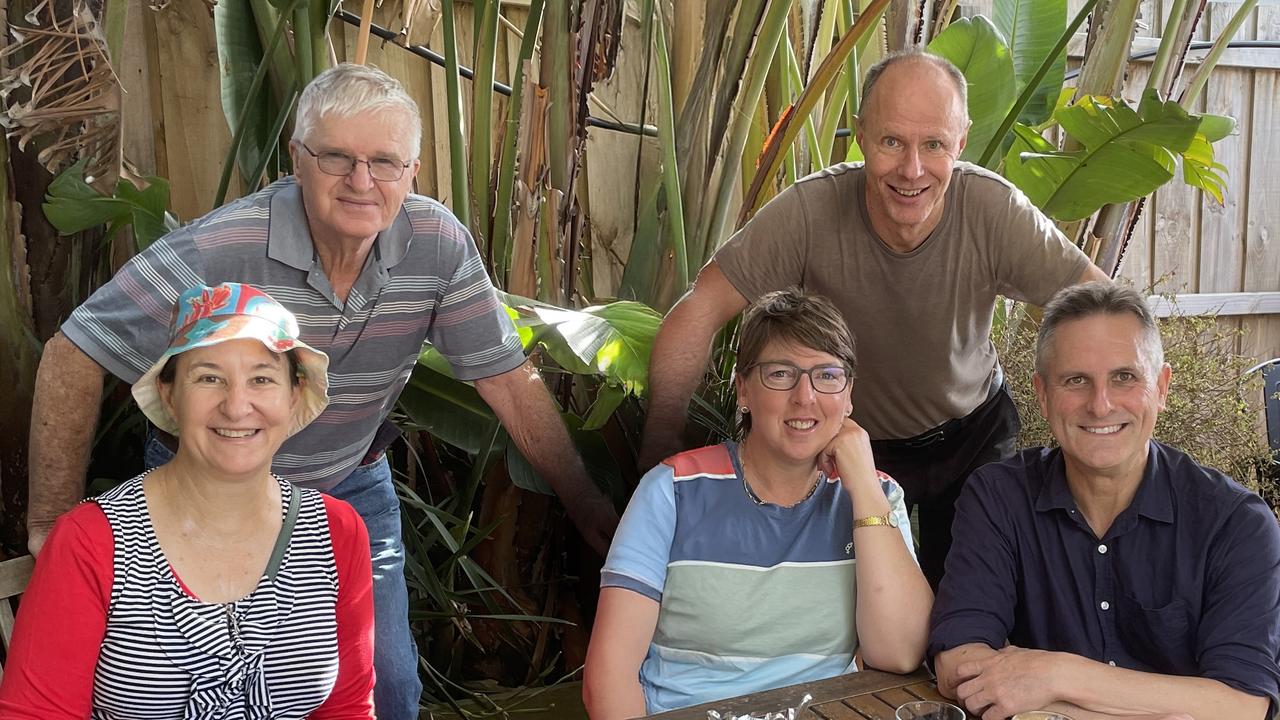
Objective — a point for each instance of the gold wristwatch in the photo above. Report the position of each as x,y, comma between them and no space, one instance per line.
888,519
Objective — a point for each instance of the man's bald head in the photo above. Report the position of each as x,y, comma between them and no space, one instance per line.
924,65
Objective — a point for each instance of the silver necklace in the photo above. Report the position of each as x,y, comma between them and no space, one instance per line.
742,460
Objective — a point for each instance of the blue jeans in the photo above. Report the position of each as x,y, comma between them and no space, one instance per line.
395,660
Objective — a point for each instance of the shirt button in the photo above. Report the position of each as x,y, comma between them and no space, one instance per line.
1112,663
1104,605
1102,549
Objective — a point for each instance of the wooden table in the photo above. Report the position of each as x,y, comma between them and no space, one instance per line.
866,695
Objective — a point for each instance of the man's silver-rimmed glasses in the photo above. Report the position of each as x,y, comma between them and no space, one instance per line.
342,165
826,379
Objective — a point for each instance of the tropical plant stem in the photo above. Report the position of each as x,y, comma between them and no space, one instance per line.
1034,82
788,130
745,109
242,127
1201,76
1164,53
453,90
302,37
501,245
276,128
670,166
486,12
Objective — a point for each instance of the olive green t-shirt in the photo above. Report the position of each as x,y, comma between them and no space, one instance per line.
921,320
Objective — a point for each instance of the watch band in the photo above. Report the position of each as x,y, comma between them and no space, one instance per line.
887,520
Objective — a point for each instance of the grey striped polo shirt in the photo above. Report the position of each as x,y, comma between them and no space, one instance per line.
423,281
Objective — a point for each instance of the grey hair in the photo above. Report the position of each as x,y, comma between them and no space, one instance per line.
915,54
347,89
1100,297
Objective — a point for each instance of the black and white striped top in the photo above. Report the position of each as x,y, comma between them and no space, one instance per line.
270,655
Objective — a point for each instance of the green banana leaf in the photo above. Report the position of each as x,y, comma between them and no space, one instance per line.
1032,28
1216,127
72,205
609,341
977,48
613,340
1126,155
1199,169
239,52
608,398
449,409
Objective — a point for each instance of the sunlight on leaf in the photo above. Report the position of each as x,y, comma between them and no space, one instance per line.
1126,155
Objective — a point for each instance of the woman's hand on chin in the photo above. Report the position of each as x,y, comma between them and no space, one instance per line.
849,455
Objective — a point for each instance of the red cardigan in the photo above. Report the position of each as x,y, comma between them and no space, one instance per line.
62,619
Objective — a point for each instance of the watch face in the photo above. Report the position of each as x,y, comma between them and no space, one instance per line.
893,519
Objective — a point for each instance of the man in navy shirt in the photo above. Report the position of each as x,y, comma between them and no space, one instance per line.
1114,576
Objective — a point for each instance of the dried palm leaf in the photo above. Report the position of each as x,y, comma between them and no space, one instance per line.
60,92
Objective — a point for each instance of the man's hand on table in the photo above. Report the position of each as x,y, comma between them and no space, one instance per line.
1010,680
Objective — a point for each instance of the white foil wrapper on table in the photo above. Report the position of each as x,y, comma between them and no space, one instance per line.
788,714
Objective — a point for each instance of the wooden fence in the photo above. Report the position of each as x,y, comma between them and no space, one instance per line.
1222,259
1225,257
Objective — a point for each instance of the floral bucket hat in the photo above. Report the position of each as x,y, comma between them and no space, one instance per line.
207,316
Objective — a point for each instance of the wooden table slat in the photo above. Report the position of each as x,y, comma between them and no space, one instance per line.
836,711
871,706
895,697
927,691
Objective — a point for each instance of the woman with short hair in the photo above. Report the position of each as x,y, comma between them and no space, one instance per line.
747,566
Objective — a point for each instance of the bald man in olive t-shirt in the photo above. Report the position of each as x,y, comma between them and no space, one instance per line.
913,246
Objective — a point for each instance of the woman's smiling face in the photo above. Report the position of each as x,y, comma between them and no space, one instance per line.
233,403
794,424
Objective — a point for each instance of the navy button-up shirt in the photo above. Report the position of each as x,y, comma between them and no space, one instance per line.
1185,582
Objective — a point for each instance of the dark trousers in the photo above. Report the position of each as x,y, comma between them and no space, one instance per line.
932,468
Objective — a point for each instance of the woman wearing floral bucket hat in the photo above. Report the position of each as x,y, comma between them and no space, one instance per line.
208,587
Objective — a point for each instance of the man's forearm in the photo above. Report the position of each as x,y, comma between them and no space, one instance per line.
679,358
64,415
1075,712
1117,691
676,365
526,410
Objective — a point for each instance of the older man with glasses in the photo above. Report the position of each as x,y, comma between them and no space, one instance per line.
370,271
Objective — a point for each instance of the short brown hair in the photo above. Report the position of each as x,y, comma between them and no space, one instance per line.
797,318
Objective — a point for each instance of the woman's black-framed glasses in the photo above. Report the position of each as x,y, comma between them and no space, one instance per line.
342,165
826,379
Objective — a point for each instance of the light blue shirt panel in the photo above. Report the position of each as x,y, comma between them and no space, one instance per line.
692,679
641,547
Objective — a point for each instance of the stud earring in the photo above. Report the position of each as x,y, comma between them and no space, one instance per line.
744,409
